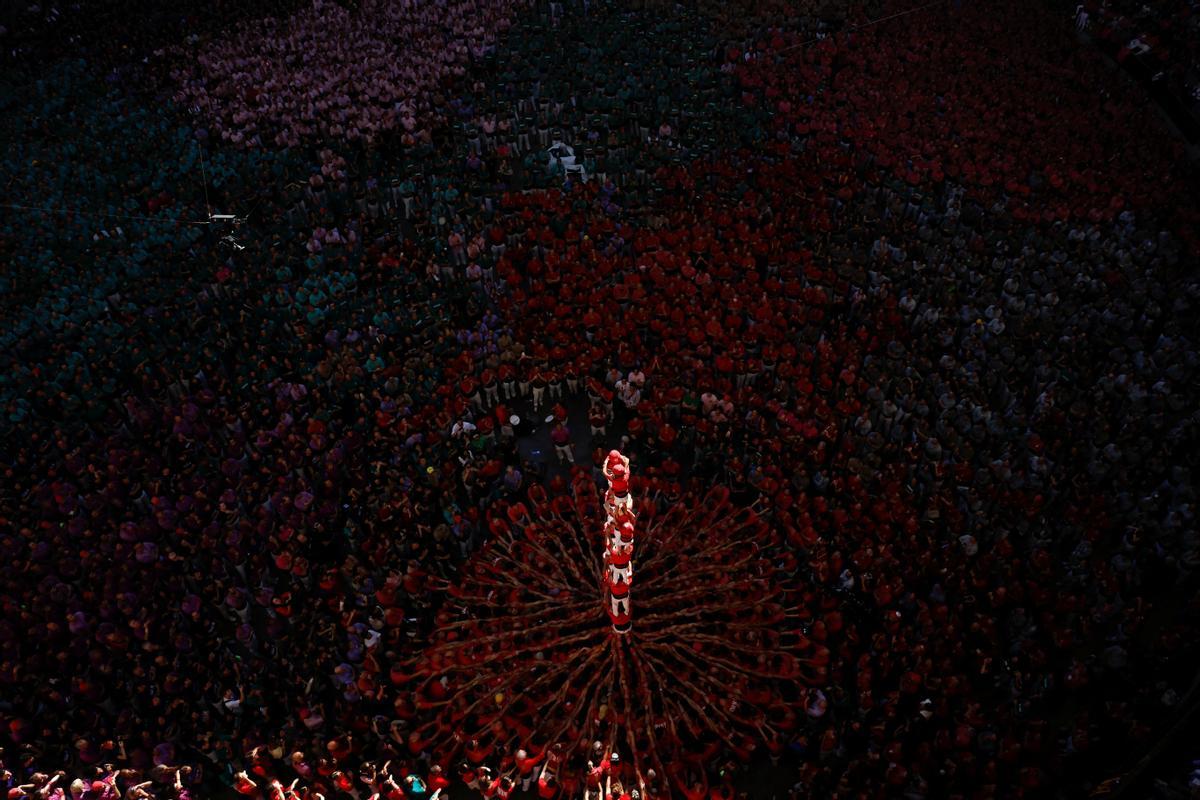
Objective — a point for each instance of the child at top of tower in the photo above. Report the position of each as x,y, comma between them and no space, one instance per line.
616,470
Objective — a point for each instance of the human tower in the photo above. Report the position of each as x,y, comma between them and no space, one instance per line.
619,527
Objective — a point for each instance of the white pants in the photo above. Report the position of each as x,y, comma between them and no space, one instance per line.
612,503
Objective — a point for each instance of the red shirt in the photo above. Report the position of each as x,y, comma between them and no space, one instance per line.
526,765
477,754
619,619
620,556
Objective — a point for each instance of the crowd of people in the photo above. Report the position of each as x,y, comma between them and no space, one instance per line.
115,31
334,73
1166,36
937,327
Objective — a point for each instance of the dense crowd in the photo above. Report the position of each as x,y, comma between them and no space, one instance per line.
1164,36
330,72
113,31
938,328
